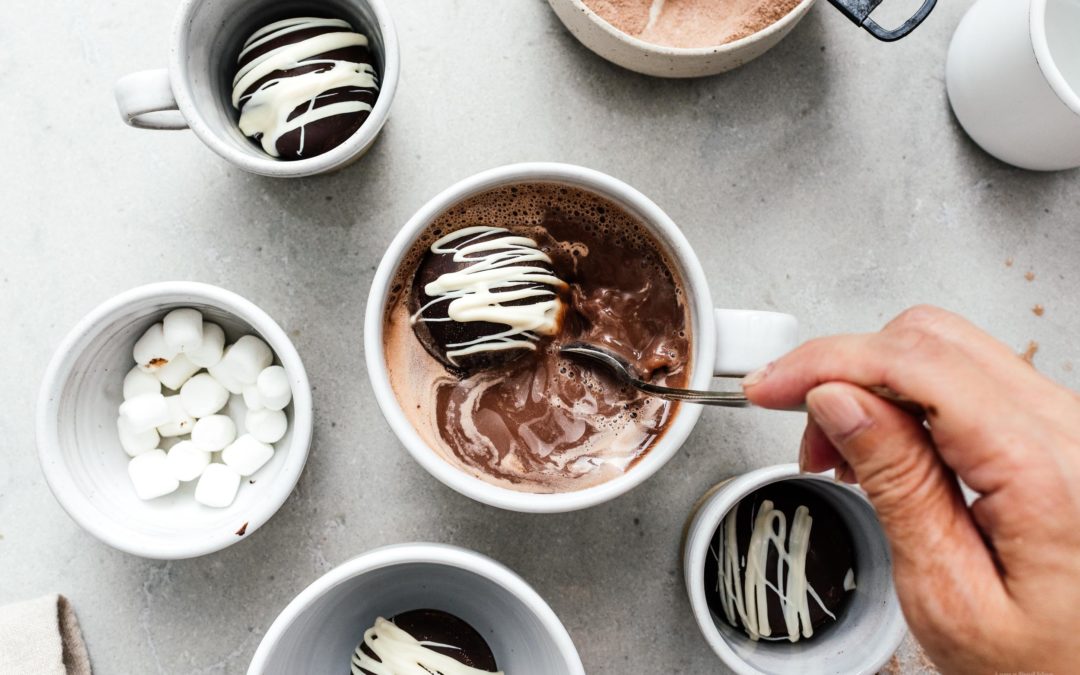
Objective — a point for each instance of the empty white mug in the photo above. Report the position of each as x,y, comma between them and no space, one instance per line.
1013,78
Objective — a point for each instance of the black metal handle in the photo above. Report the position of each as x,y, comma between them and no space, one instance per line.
859,13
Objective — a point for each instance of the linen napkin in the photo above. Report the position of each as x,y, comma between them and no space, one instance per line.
42,637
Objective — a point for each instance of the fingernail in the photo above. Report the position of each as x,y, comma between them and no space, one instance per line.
802,456
837,413
757,376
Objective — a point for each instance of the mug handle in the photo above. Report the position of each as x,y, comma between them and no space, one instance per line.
146,101
749,339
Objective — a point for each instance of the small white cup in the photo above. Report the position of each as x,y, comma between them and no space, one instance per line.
1013,78
871,626
647,58
195,91
319,630
80,453
747,339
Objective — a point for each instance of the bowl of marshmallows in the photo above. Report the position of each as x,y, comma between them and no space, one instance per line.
174,420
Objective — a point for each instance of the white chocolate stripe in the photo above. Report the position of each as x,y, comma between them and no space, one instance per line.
286,27
291,56
401,654
266,111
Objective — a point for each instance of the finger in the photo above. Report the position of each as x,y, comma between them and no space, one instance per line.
916,496
817,453
957,393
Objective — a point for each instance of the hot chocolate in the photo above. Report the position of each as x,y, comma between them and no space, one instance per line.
691,23
580,268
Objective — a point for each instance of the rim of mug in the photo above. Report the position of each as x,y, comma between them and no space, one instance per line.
429,553
59,371
330,160
695,551
1045,58
701,307
794,14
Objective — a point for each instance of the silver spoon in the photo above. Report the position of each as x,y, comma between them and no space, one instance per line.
730,399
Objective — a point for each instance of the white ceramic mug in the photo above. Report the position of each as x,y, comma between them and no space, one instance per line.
725,342
1013,77
195,91
869,629
319,630
80,452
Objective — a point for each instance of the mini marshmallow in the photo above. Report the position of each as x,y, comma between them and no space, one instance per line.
226,375
186,461
150,351
135,442
274,390
176,372
179,422
150,475
202,395
217,486
265,425
252,397
213,344
246,359
145,411
247,455
213,433
183,329
138,382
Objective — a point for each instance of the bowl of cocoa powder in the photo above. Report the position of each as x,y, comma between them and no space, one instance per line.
680,38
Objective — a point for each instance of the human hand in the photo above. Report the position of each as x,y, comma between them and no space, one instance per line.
990,588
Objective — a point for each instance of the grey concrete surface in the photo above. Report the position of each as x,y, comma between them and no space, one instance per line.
828,179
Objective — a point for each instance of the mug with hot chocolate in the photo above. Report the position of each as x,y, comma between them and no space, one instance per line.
480,290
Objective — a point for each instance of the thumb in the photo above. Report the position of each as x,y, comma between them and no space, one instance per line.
915,494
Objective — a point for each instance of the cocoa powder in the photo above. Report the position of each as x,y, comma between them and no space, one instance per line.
691,23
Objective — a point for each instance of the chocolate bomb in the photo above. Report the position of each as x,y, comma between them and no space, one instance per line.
490,273
303,86
443,633
829,567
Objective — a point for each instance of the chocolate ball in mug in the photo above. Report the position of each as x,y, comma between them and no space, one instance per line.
303,86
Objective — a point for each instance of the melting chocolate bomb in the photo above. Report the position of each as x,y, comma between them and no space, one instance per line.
485,296
742,579
429,638
563,264
304,85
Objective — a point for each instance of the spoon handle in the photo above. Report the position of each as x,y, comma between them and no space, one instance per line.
736,399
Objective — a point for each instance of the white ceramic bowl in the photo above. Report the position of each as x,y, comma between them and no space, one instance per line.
84,465
871,626
662,61
319,630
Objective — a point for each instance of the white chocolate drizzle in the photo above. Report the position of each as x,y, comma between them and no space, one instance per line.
503,270
401,654
747,598
264,113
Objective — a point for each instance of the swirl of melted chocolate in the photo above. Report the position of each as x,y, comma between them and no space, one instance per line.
484,296
304,85
428,639
541,422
